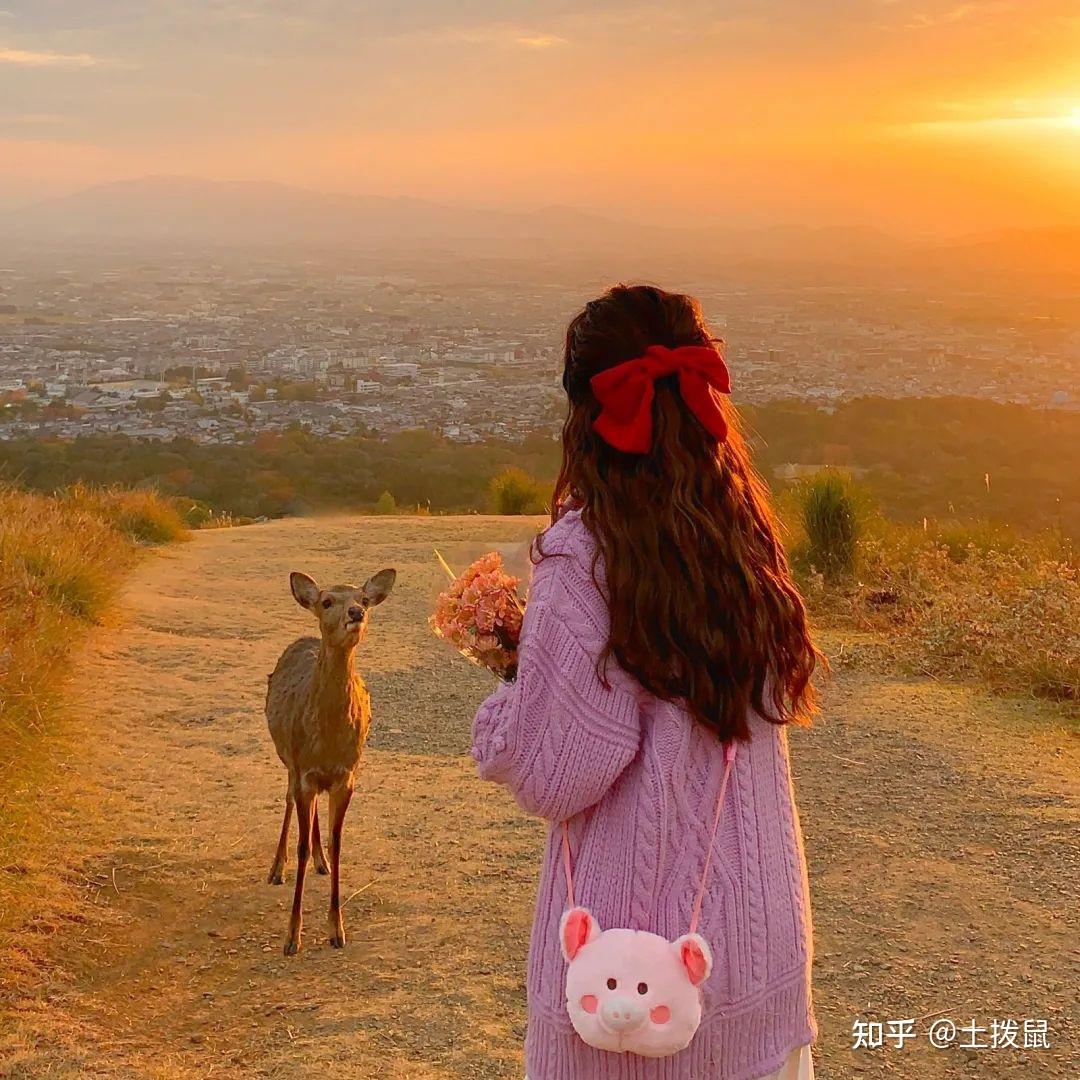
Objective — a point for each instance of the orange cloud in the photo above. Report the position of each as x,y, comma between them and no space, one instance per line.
541,41
29,58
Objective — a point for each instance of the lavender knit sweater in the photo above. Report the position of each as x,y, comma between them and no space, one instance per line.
638,780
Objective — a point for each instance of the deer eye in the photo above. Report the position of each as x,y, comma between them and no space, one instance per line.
611,984
328,602
643,988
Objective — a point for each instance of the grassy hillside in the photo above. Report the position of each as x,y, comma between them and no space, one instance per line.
62,562
961,599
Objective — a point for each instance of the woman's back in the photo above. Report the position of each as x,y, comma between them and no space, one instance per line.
638,779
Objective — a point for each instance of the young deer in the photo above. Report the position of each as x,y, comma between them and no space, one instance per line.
319,712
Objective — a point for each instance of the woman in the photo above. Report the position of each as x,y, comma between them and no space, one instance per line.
662,625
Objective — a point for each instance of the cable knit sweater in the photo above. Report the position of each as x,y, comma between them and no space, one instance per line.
638,780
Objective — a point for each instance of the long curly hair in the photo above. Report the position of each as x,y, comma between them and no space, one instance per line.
703,606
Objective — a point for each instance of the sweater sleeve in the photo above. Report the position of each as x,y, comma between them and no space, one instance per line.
557,736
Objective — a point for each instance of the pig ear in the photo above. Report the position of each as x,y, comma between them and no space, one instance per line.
695,956
576,930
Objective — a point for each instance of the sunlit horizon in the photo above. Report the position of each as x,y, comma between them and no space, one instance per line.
917,117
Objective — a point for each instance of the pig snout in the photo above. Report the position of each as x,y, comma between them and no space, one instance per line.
622,1014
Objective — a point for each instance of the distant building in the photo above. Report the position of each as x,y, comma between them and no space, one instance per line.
400,370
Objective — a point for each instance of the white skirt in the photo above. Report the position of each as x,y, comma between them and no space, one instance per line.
799,1066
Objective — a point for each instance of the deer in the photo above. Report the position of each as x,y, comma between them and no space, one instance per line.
319,713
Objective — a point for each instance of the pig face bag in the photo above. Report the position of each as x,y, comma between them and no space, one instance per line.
630,991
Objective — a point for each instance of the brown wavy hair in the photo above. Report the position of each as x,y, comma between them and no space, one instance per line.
703,606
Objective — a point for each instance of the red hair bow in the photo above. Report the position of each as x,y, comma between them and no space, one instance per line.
626,392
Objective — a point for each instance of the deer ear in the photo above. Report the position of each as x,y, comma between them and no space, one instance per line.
304,589
377,587
576,930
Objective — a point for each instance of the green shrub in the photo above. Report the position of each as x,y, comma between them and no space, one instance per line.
514,491
832,519
386,504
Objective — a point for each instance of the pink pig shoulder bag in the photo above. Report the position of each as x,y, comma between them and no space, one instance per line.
632,991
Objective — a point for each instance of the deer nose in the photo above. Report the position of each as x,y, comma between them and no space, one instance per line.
355,614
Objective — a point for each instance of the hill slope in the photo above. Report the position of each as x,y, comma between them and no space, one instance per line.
940,830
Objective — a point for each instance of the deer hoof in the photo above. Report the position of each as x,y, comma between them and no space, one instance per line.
291,948
322,868
274,877
338,940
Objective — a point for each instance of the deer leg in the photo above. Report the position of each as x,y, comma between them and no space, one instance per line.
317,854
305,801
278,868
339,803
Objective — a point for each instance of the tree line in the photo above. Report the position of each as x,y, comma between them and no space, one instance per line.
938,458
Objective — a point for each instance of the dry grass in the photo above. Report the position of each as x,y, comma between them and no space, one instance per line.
59,563
62,561
141,515
970,601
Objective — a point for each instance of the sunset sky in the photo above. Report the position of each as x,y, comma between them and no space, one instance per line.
919,116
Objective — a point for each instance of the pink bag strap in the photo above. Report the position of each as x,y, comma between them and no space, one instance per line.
729,760
566,865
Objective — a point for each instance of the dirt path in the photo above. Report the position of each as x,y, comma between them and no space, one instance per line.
941,830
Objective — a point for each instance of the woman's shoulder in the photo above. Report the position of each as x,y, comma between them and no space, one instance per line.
566,561
569,536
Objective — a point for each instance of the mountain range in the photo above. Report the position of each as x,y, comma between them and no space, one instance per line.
196,213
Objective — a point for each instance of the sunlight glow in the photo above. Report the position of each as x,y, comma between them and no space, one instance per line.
937,115
999,125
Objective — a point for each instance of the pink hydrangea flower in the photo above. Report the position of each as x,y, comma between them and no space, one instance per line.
480,615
